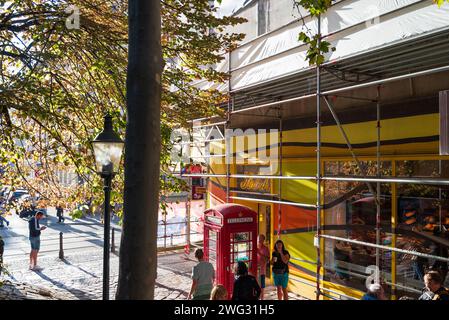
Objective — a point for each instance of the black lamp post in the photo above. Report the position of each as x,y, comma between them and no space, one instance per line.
108,148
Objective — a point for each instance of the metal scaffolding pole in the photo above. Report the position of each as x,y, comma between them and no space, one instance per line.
188,208
333,92
382,247
440,227
227,138
318,166
378,185
244,176
280,172
295,204
437,182
354,156
271,104
209,125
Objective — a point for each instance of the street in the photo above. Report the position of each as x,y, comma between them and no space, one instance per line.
78,234
79,276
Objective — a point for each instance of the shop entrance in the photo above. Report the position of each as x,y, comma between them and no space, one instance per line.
264,212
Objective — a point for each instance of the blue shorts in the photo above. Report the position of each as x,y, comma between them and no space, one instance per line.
35,243
262,280
280,280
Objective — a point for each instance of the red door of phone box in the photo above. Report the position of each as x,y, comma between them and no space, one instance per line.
230,235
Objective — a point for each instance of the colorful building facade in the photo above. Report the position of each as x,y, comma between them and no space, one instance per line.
346,162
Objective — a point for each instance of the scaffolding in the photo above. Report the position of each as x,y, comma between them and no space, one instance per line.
319,178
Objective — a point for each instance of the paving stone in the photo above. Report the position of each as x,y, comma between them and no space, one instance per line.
79,277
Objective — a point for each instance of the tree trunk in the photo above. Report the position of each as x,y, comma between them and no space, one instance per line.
138,250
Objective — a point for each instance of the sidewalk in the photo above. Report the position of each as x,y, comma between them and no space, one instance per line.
79,277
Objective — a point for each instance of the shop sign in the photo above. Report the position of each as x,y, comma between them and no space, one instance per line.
256,185
240,220
214,220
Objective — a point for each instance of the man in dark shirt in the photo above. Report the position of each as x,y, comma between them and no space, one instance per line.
245,286
434,287
60,213
35,239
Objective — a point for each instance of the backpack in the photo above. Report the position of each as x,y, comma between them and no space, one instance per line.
442,294
248,288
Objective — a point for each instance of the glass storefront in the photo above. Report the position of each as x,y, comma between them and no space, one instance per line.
422,224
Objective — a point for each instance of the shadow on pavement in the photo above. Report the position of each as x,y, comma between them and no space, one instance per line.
79,268
181,292
77,293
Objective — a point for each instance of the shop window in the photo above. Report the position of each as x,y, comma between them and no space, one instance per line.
354,266
423,168
350,168
418,168
350,213
352,203
410,268
423,223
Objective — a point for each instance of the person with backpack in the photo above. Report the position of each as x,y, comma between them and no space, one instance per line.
246,286
279,260
434,287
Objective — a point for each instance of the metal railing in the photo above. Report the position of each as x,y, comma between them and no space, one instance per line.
178,237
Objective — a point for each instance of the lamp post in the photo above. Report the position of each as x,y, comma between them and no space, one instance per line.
108,148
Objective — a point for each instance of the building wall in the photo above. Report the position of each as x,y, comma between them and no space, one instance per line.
401,148
264,16
281,12
249,28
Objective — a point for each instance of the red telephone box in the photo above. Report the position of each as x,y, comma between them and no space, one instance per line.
230,235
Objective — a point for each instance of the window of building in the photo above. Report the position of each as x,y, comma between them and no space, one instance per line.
422,225
262,17
350,213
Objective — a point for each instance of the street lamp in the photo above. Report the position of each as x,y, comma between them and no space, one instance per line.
108,148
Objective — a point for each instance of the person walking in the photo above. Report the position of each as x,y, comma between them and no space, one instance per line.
60,212
263,258
245,286
434,289
279,260
2,213
35,239
203,278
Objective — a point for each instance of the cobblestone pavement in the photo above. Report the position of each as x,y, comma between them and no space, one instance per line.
79,276
24,291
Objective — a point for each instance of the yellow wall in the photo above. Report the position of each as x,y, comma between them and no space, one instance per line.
300,245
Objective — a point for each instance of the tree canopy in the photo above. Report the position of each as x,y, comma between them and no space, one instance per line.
58,78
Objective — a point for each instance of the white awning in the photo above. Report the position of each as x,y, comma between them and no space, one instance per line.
353,27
